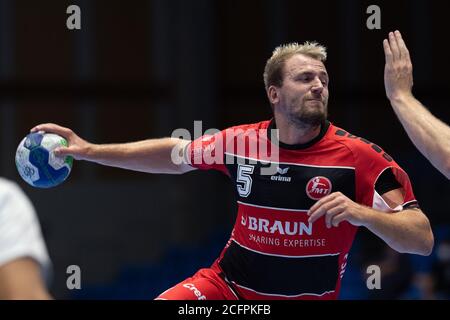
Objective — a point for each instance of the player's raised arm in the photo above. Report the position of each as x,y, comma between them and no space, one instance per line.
429,134
153,155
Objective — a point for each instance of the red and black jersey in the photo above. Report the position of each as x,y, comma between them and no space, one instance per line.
273,252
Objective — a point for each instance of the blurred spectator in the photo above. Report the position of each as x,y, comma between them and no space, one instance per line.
441,269
432,274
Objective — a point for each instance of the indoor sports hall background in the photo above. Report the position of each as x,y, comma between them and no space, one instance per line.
140,69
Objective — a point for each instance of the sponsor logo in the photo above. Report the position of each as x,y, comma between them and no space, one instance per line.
318,187
280,177
290,228
243,220
282,171
343,265
197,292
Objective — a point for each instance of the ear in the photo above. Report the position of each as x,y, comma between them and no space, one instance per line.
272,94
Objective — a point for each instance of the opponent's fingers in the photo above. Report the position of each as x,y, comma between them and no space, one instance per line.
394,46
387,51
52,128
404,52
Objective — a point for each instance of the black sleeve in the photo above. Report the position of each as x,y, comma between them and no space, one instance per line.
386,182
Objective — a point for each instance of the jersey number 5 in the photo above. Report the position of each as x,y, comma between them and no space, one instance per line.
244,180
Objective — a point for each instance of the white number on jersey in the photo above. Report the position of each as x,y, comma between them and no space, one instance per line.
244,179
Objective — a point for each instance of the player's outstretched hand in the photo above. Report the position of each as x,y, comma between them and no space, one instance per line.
398,71
77,147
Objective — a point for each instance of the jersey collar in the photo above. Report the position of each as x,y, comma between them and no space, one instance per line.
323,130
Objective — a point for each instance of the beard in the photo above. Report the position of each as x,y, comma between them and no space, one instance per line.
308,114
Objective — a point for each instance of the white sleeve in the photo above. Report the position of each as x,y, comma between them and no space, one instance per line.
20,232
381,205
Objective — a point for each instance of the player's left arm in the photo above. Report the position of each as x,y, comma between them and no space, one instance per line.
406,231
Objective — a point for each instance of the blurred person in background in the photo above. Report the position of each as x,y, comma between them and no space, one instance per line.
396,274
441,269
432,274
24,261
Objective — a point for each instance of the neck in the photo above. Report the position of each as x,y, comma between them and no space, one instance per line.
292,134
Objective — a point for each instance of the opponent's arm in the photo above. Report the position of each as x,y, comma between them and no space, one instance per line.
20,279
406,231
429,134
153,155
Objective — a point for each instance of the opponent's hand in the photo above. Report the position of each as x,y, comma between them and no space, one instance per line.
336,207
398,71
77,147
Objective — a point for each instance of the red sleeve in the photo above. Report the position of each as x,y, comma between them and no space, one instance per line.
371,161
208,152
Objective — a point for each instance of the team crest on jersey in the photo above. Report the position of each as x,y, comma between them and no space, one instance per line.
318,187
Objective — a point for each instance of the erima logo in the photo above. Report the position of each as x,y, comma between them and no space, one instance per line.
290,228
282,171
279,177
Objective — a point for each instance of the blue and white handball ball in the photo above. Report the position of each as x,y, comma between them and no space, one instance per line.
37,163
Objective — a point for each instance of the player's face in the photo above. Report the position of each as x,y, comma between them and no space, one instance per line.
303,97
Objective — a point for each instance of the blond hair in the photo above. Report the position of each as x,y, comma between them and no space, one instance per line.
273,71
